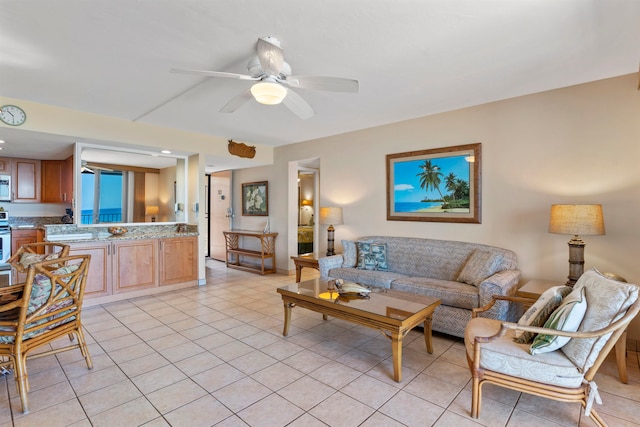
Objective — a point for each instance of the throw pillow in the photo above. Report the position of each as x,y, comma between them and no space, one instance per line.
540,311
349,254
372,256
567,318
363,248
608,301
41,288
479,266
28,258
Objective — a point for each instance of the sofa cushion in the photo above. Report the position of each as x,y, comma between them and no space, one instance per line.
349,254
504,356
454,294
479,266
540,311
567,317
372,256
600,313
438,259
381,279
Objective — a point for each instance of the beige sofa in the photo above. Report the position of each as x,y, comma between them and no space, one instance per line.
462,275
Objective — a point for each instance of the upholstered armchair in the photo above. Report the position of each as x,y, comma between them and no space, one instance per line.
572,332
45,308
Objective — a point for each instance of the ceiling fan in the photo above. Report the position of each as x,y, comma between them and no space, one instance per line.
89,168
274,81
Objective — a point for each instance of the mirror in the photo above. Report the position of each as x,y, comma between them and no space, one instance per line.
123,187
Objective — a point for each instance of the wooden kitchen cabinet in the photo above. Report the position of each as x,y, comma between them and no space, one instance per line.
99,277
178,260
26,181
24,237
127,265
5,166
117,267
135,264
67,179
57,181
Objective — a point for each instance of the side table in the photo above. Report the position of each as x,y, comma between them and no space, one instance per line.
304,261
535,287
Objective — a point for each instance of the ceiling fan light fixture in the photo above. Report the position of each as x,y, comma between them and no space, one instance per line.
268,93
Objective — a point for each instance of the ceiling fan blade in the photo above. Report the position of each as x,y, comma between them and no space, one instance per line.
331,84
237,102
214,74
298,105
270,55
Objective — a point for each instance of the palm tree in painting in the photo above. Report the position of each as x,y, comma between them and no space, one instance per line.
450,183
462,189
430,177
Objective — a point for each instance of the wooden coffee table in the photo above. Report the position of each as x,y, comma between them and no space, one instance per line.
393,313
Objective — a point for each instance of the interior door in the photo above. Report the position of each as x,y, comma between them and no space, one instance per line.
220,215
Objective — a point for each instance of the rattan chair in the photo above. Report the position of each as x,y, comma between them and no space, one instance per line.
565,374
48,307
36,252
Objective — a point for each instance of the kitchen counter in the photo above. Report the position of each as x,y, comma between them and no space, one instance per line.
73,233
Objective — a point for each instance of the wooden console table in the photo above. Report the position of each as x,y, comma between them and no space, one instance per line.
235,254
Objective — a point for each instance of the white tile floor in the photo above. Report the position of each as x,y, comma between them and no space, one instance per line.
215,355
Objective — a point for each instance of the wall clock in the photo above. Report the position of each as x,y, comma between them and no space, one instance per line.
12,115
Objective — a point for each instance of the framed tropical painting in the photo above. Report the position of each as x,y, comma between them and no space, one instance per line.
440,184
255,198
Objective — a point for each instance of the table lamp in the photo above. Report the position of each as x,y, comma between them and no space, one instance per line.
153,211
576,220
331,216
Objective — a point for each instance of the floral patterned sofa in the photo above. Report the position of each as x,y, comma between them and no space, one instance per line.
462,275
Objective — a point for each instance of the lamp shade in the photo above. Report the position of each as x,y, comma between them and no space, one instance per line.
331,216
585,220
306,202
151,210
268,93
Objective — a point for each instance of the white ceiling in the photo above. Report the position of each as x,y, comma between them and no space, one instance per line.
412,57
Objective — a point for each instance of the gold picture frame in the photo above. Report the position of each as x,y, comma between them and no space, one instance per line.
416,180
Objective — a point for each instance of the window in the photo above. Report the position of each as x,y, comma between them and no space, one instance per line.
104,197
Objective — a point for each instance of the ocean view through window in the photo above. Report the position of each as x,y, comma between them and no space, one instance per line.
102,197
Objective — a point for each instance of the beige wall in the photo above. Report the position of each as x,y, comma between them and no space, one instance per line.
577,144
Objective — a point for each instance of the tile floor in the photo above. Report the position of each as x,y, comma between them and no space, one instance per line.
215,355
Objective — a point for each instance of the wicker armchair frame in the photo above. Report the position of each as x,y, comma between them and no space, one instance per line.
580,394
26,325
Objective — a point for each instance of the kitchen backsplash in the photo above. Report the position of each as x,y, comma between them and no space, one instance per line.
34,220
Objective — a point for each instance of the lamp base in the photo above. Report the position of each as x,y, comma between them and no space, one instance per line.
576,260
330,236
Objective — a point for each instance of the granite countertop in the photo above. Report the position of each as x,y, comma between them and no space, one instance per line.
79,233
106,237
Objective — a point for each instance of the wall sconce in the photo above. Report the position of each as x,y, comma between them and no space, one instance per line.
306,202
586,220
153,211
331,216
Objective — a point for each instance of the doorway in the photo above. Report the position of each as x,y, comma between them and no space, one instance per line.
302,203
219,212
307,211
